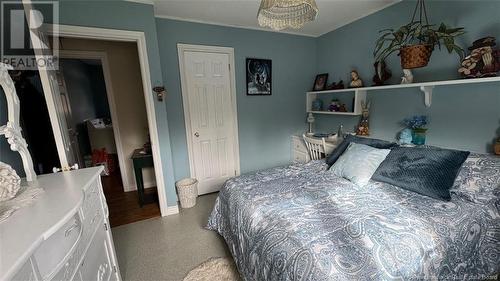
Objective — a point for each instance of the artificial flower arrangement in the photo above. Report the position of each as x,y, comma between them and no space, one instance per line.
417,124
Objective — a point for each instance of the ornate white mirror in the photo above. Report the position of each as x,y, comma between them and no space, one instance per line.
12,130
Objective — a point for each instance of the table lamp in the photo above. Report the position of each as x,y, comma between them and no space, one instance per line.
310,120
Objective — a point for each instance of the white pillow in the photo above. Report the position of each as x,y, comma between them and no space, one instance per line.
359,162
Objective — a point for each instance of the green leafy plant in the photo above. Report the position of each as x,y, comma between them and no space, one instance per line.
415,33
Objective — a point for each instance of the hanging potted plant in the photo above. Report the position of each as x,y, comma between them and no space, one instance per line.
416,40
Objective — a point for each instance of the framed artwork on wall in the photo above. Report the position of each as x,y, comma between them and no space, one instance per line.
320,82
259,77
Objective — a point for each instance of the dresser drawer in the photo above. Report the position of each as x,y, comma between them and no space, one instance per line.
91,200
298,144
301,157
97,264
26,273
55,249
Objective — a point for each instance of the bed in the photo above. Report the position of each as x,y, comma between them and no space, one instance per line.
300,222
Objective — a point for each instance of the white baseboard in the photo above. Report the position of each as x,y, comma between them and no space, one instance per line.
171,210
134,187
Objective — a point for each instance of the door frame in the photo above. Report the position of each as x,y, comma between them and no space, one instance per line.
138,37
103,58
181,48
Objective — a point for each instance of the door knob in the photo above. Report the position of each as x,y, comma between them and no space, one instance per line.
197,134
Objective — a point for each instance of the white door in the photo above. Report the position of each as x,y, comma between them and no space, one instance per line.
210,118
50,87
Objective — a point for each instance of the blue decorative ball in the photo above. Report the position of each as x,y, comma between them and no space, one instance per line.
405,136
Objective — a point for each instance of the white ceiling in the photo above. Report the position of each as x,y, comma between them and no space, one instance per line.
243,13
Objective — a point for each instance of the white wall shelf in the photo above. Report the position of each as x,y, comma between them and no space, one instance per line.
426,88
359,97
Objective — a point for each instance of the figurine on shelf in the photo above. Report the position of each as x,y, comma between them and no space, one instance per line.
336,86
408,77
343,108
356,82
334,105
483,61
497,147
382,74
364,125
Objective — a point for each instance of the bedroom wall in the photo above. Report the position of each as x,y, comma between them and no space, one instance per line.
265,122
463,116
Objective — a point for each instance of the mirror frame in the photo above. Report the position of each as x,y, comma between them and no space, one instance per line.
12,130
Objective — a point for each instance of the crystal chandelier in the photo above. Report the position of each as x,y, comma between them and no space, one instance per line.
281,14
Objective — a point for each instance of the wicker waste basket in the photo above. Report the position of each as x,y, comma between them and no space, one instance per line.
187,189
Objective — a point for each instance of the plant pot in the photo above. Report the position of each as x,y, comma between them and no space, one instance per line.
415,56
418,136
497,147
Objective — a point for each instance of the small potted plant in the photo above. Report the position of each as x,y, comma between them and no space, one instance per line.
497,147
418,125
416,40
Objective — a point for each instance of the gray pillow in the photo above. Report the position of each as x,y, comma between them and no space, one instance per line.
428,171
350,138
359,162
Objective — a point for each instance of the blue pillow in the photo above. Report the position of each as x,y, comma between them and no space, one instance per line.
332,158
429,171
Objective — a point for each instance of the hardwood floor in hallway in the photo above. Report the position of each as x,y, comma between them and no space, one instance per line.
124,206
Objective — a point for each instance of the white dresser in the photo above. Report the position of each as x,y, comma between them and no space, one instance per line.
299,149
63,235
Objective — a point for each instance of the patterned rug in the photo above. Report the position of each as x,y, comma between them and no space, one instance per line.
220,269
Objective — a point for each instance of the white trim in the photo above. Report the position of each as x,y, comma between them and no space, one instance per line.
233,25
103,58
138,37
181,48
146,2
172,210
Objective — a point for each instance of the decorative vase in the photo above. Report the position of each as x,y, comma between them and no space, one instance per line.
418,136
415,56
10,182
317,105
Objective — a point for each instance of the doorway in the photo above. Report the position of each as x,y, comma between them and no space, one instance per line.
104,115
209,99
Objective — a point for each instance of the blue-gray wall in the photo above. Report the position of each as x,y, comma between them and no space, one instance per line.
464,117
265,122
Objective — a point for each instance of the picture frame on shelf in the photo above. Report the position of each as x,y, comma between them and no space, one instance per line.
320,82
259,77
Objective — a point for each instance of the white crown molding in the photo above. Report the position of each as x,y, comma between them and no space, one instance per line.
233,26
146,2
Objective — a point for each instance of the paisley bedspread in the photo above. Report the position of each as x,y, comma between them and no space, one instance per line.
302,223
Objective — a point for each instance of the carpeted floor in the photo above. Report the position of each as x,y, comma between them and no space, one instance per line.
168,248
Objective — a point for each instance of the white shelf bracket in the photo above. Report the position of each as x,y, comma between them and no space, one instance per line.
427,90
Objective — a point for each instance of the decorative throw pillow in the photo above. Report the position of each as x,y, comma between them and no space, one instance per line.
359,162
479,179
350,138
429,171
